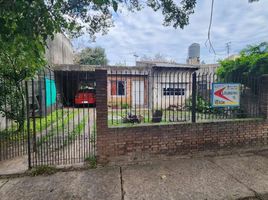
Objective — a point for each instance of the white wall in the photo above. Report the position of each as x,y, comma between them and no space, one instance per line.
60,50
173,80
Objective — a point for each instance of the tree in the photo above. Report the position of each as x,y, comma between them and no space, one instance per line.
253,61
19,61
92,56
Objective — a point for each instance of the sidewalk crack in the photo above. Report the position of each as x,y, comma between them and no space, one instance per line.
122,184
257,195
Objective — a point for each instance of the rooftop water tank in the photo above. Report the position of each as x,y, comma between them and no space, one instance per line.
194,51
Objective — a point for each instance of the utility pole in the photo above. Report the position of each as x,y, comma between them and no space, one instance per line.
228,47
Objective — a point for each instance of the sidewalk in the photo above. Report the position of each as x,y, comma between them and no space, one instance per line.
226,177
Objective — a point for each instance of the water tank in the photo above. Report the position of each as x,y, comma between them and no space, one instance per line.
194,51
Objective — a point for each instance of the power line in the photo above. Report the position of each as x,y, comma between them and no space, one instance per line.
211,48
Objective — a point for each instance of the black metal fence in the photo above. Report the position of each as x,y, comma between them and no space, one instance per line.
57,126
13,134
165,95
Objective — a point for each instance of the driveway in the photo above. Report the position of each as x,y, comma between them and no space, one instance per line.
227,177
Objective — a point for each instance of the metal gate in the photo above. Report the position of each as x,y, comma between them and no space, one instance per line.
57,110
61,117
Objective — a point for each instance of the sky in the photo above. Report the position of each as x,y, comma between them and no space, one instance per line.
142,33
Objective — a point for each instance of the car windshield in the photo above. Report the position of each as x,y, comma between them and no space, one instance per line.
86,91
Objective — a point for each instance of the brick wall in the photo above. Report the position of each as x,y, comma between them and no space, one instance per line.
133,142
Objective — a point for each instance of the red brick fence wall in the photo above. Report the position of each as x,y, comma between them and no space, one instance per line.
139,141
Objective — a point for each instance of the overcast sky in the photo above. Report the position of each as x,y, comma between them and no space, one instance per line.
234,21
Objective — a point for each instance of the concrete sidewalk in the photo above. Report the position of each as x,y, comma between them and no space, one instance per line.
226,177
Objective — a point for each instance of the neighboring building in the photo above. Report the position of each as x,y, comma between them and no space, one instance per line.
233,57
59,50
128,86
149,84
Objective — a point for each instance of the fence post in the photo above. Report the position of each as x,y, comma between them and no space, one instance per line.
28,125
264,95
194,97
102,114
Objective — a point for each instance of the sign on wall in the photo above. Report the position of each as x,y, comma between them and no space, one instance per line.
225,94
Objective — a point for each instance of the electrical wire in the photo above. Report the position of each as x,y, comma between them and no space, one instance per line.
211,48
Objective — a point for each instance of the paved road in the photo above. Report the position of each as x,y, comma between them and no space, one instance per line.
227,177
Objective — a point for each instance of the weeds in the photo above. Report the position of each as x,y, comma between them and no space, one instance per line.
51,133
91,161
43,170
77,131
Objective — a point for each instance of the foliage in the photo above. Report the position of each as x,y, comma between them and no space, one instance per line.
92,161
253,61
202,106
59,119
78,130
43,170
44,18
125,106
92,56
19,60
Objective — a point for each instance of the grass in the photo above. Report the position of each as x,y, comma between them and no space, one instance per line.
63,122
40,125
78,129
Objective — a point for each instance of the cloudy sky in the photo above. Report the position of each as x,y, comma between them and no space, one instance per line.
142,33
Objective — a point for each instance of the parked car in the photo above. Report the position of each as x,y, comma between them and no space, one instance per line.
85,97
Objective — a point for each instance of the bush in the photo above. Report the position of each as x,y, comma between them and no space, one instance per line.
202,106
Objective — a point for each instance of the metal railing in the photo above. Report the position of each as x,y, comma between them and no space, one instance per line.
170,95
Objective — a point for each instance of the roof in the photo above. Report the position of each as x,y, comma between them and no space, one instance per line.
145,67
158,64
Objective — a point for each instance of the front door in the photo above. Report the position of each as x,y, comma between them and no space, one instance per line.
138,93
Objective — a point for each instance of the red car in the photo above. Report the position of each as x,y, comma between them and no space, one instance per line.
85,97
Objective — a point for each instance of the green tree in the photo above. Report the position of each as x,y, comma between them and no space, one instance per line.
253,61
92,56
19,61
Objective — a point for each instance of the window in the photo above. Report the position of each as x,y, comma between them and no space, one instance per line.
174,91
118,88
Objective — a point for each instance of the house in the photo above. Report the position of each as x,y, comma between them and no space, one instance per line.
149,84
128,86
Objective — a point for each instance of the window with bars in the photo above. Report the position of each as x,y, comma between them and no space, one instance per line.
118,88
173,91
